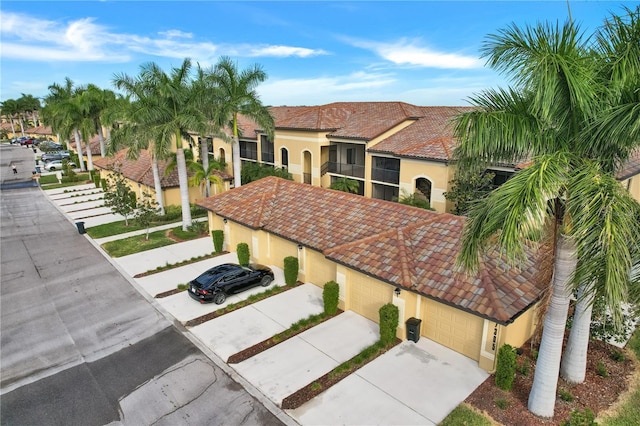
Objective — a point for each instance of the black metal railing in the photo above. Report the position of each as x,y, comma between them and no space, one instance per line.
346,169
385,175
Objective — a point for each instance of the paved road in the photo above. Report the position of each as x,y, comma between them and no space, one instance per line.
79,345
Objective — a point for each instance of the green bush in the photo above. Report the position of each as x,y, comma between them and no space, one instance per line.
97,180
389,318
218,239
172,213
506,367
291,268
579,418
103,183
331,297
243,254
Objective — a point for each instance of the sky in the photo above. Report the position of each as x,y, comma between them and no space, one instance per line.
313,52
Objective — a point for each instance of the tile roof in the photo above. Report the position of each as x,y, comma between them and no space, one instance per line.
139,170
405,246
631,167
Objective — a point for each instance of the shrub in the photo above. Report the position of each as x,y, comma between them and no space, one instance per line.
96,180
103,184
506,367
579,418
172,213
565,395
601,369
291,268
388,323
218,239
243,254
502,403
132,199
198,227
331,297
618,356
524,367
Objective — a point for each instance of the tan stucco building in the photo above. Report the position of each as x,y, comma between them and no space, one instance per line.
384,252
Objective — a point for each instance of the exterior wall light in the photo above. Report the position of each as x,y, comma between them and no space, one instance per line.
224,220
299,246
397,291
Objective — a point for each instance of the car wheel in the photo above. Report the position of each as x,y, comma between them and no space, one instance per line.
265,281
219,298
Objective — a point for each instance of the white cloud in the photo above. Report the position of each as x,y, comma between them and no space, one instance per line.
410,52
84,40
284,51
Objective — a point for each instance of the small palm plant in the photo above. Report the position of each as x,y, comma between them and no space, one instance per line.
345,184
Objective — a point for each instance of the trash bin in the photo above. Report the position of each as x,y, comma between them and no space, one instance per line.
80,226
38,169
413,329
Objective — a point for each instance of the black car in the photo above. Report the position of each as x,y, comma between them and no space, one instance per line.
223,280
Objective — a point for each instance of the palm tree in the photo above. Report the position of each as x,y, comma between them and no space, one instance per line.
63,113
167,111
617,46
234,93
94,101
10,109
569,192
205,177
29,105
345,184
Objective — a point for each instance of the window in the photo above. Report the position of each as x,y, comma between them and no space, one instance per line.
285,158
384,192
249,150
266,147
351,156
385,169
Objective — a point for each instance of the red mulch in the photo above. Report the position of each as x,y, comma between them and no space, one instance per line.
597,393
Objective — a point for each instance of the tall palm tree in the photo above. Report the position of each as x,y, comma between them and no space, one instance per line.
617,48
10,109
94,101
29,106
167,111
63,113
569,191
233,93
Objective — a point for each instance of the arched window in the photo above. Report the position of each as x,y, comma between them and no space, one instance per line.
284,155
423,186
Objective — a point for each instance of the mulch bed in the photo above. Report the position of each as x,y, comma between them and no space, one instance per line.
597,393
168,293
272,341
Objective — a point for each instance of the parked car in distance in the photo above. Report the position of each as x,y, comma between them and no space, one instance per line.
27,142
220,281
50,146
56,165
52,156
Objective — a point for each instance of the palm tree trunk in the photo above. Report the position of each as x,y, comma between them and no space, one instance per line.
79,149
574,361
13,128
157,185
237,165
89,156
184,188
545,381
101,139
204,155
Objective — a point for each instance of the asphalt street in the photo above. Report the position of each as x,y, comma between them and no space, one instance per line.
79,345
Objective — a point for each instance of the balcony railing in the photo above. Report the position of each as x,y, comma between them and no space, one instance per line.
385,175
346,169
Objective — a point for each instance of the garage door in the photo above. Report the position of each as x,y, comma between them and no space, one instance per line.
367,296
452,328
281,248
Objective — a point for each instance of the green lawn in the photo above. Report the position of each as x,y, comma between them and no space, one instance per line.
463,415
138,243
113,228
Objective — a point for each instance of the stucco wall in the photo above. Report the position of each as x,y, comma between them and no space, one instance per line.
438,173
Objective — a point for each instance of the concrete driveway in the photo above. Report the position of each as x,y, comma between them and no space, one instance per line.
412,384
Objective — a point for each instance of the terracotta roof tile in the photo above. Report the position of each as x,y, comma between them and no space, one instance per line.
405,246
631,167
